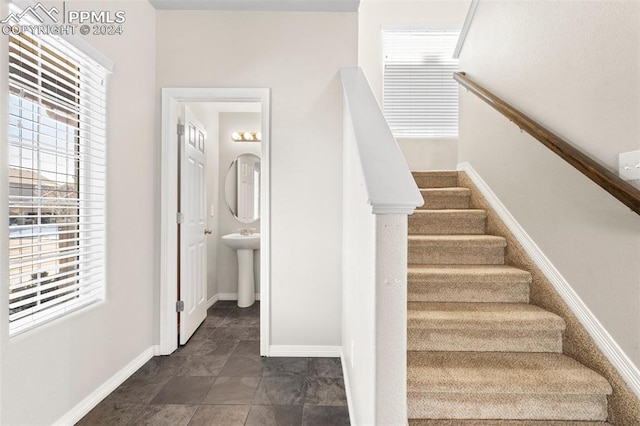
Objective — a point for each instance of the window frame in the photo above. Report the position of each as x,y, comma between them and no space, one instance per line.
89,103
406,114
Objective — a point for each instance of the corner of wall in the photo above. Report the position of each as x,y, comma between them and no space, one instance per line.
347,388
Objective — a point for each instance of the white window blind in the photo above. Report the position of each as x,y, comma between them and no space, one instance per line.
57,135
420,97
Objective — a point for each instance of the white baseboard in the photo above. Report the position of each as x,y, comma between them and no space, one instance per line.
74,415
213,300
596,330
229,296
347,389
305,351
156,350
225,296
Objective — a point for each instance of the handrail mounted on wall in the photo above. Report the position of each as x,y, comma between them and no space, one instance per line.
588,166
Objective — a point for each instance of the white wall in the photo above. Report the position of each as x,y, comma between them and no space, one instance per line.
358,291
421,153
297,55
49,370
227,259
574,67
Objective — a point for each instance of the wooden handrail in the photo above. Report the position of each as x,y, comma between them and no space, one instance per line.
591,168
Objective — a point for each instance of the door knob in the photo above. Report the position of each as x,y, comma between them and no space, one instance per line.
208,231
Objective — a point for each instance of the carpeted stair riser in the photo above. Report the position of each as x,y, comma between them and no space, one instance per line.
445,198
509,406
537,373
448,250
491,327
447,222
421,291
465,283
445,179
494,422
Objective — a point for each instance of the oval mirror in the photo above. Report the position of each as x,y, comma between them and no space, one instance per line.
242,188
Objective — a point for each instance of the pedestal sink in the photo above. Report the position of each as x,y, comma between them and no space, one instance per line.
244,245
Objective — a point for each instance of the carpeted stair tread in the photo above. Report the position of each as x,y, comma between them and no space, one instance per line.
501,373
450,222
481,316
468,273
468,283
456,249
445,198
436,179
494,422
468,292
511,406
459,240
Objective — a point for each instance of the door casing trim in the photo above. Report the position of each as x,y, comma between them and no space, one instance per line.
171,96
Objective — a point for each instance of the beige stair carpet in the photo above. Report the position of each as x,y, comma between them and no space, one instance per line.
427,422
468,283
479,353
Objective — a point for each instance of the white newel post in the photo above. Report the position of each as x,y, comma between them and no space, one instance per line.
391,319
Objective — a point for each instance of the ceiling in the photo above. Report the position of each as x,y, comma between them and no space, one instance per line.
260,5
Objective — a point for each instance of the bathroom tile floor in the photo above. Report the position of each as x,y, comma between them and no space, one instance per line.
218,378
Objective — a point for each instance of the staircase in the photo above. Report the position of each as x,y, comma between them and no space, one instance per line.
478,352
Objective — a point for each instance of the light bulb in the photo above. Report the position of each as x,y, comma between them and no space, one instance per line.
247,136
235,136
259,136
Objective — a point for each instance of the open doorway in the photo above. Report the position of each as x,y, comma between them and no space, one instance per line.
217,111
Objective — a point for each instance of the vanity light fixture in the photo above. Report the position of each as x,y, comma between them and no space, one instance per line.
246,136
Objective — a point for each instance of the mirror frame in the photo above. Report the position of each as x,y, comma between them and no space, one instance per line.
226,177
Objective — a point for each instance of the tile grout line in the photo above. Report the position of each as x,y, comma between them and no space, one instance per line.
183,363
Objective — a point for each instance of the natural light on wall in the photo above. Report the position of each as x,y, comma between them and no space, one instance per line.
420,97
57,142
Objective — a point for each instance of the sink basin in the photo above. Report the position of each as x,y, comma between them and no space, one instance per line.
244,245
242,242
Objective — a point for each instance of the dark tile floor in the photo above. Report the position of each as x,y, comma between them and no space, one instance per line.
218,378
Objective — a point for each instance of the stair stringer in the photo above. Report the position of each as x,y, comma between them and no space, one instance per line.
606,358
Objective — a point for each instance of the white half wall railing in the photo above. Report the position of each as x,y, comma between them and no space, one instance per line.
379,193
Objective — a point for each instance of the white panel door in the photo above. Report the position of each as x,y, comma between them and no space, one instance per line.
193,244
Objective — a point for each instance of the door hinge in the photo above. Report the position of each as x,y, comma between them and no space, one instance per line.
179,217
180,129
179,306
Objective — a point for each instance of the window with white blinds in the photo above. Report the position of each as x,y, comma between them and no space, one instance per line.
420,97
57,132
